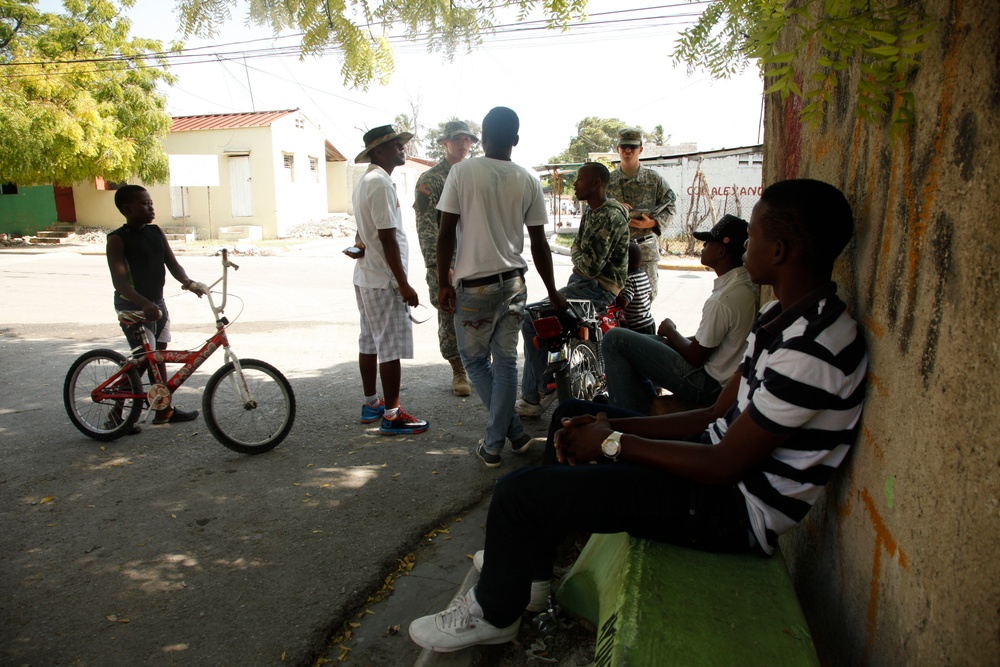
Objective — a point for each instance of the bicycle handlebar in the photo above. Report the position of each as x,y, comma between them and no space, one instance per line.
137,316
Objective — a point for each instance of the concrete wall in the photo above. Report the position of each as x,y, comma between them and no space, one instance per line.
29,211
303,199
899,564
96,208
732,184
338,195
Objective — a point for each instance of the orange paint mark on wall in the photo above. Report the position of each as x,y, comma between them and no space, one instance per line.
884,543
875,382
852,170
873,327
824,145
869,440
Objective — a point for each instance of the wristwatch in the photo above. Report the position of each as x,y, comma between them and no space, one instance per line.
612,445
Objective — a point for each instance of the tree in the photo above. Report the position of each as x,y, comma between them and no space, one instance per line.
885,39
358,30
404,123
593,135
78,96
407,122
657,137
435,150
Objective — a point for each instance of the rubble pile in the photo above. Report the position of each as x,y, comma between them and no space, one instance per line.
333,226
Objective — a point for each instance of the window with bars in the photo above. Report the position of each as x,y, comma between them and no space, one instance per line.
314,169
290,166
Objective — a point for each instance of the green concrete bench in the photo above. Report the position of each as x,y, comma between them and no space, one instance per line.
656,604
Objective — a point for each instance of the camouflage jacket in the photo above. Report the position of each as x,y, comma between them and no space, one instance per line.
647,191
426,195
600,249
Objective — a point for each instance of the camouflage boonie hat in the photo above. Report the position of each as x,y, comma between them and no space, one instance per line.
454,128
630,136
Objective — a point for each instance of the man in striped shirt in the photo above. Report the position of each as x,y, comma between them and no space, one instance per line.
728,478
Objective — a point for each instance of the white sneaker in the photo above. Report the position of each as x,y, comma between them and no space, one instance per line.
540,590
525,409
459,626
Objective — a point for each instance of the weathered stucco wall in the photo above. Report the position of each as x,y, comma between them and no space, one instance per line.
899,564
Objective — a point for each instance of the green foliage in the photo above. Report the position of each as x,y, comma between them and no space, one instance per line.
99,115
882,39
593,135
435,151
358,29
600,135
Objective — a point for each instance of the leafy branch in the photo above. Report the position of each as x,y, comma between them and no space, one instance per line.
882,40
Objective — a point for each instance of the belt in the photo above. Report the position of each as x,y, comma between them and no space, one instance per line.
643,239
495,278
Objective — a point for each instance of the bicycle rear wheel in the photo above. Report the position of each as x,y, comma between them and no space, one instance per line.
104,419
254,426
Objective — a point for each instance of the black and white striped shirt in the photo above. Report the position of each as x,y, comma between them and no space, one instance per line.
639,293
803,376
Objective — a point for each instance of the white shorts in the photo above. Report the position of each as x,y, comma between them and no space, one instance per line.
386,329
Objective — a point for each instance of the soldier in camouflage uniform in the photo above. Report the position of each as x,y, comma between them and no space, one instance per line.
600,269
457,140
647,196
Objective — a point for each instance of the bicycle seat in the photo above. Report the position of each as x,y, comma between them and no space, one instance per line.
131,316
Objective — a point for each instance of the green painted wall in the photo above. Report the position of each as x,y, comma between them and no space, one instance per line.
898,565
31,210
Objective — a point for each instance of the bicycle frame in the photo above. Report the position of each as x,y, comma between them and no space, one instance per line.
150,358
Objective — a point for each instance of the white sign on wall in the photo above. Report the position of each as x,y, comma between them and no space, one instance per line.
194,170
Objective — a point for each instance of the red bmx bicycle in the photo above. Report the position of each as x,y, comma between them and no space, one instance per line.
248,404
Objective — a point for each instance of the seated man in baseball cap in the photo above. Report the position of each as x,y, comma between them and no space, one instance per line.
691,368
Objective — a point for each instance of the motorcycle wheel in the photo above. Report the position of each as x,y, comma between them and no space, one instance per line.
586,377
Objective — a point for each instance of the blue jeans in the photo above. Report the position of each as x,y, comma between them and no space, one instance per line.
635,362
487,320
534,359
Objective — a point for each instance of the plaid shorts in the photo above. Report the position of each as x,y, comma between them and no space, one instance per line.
386,329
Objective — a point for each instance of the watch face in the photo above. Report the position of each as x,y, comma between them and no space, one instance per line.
611,447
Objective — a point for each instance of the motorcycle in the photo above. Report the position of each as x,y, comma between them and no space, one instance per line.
572,342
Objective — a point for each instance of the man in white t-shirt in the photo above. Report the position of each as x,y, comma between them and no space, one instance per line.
380,283
485,205
693,369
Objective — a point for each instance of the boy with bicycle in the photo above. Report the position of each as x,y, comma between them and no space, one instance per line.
138,254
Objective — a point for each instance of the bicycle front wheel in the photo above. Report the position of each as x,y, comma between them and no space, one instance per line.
251,414
102,418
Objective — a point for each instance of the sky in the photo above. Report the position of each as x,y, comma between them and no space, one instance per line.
617,66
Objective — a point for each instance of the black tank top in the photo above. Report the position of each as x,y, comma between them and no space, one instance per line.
144,252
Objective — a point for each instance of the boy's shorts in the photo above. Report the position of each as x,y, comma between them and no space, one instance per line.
386,329
160,328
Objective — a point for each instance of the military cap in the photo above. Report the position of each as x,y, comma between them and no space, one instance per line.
454,128
630,136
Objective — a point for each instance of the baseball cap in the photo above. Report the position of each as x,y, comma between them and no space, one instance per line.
729,230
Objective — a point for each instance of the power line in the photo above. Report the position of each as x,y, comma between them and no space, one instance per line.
191,56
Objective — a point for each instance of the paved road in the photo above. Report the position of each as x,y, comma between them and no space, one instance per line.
166,548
